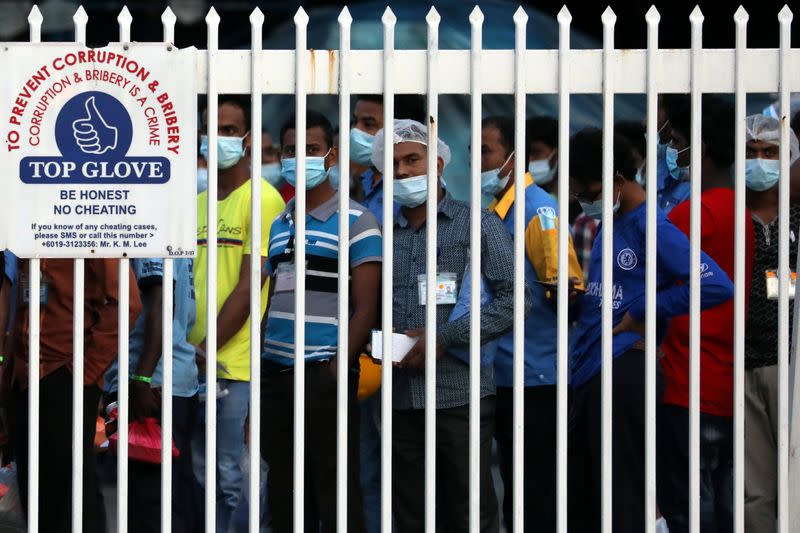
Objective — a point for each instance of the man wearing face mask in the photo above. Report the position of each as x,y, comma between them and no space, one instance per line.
233,293
542,151
718,224
673,175
367,121
584,227
411,143
628,308
270,161
541,329
762,173
322,355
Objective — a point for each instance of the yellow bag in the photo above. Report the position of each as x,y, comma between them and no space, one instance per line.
370,378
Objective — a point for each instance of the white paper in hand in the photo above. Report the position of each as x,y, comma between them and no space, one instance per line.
401,345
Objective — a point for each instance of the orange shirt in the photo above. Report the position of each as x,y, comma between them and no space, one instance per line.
101,305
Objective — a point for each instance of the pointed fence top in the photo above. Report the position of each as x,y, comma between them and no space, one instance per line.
257,16
35,16
433,17
564,16
652,16
520,17
301,17
80,16
124,16
741,16
785,15
608,17
212,19
389,18
168,16
696,17
476,16
345,18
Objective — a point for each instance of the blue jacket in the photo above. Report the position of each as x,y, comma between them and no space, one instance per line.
672,287
541,264
373,197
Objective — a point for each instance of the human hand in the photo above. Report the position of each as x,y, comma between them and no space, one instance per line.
415,358
628,323
143,401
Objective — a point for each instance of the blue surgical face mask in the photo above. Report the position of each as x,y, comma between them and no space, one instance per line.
411,192
333,176
761,174
361,147
541,171
640,175
202,179
272,173
230,150
595,209
315,170
677,172
491,183
661,150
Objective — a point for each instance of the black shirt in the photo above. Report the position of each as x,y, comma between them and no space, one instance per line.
761,330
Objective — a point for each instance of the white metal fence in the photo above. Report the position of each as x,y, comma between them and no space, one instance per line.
435,72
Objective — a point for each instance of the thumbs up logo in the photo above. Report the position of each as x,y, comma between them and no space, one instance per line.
92,133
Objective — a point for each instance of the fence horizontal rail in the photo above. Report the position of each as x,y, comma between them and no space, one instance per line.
585,75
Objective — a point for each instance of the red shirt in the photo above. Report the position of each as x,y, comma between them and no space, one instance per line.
716,324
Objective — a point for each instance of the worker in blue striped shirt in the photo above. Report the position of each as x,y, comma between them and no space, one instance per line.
321,334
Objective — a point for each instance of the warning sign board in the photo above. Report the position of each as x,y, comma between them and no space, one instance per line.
99,150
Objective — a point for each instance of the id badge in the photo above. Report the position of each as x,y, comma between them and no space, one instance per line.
26,292
285,278
773,284
446,292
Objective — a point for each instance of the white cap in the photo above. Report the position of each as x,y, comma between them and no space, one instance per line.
768,129
406,130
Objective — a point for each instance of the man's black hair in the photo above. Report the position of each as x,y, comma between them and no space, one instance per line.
717,128
505,126
374,98
237,100
314,119
543,129
634,132
586,157
410,106
671,103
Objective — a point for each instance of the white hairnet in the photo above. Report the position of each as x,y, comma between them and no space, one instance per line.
768,129
406,130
